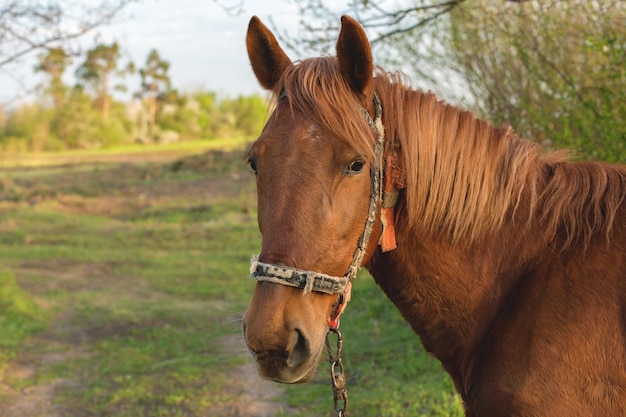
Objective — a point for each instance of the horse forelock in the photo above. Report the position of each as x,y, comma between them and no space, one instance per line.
317,88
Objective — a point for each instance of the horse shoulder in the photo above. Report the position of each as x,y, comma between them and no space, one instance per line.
559,345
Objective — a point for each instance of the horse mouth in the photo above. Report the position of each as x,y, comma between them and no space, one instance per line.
275,366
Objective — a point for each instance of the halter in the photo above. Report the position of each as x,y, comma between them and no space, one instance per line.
316,281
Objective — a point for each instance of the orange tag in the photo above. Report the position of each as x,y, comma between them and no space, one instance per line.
388,238
390,197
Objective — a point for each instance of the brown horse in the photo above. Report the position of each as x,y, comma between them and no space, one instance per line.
510,262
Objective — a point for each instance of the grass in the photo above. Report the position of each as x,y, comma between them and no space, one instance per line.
132,281
71,156
20,317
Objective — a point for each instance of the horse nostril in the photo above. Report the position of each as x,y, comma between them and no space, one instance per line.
243,330
301,350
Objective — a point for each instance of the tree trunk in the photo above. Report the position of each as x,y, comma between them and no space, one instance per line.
152,109
106,100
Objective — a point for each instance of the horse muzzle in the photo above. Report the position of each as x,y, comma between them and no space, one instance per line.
285,355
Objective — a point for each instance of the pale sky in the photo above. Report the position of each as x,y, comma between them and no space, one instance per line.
203,43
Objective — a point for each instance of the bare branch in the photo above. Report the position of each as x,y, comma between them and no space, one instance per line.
319,20
234,10
29,25
445,8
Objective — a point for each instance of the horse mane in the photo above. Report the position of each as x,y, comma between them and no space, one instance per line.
464,177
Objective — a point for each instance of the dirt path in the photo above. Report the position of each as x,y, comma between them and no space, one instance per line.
37,400
256,397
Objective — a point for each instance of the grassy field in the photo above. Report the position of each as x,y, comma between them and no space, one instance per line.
122,283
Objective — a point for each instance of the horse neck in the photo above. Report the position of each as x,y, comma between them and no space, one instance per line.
452,291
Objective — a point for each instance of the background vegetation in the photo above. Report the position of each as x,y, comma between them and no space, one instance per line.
87,115
555,70
122,257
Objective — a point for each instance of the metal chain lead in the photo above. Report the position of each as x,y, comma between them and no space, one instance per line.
337,374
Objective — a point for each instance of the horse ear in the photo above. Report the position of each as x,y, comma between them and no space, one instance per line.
268,59
355,56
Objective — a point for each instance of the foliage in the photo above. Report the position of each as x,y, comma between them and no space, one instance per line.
27,129
77,123
218,117
91,118
100,64
246,113
156,86
53,63
86,115
556,72
205,115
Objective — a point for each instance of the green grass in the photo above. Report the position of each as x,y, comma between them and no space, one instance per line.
20,317
84,155
133,277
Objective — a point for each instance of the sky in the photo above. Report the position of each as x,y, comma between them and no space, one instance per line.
204,44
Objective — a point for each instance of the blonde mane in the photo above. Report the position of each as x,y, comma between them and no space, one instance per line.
464,177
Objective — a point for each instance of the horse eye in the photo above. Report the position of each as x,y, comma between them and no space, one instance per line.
252,163
354,167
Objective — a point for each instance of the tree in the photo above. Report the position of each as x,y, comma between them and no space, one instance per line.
555,70
319,20
97,70
53,63
30,25
156,86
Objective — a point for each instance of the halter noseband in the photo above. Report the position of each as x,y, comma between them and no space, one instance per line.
316,281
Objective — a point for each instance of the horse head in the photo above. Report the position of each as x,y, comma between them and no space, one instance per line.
314,195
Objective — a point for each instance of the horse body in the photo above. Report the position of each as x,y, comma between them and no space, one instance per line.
510,262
